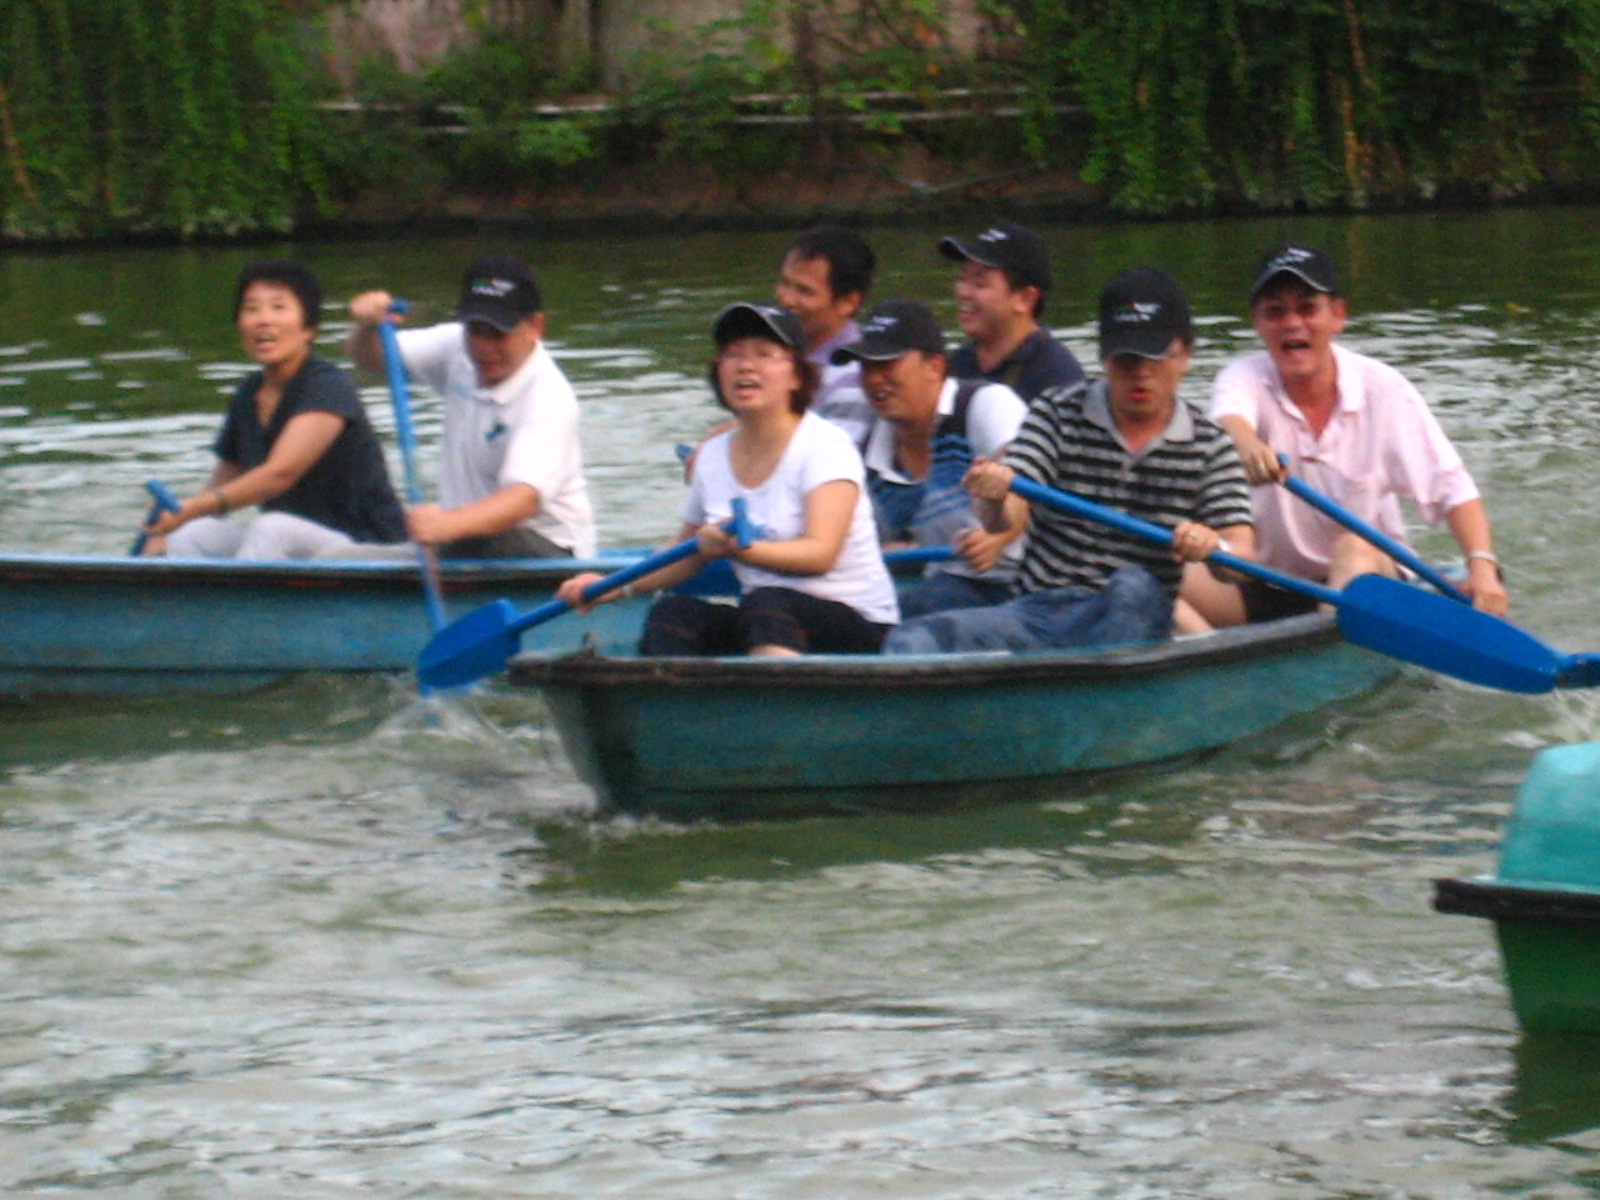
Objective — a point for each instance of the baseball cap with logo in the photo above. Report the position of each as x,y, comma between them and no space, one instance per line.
1306,263
498,291
1141,312
1014,249
892,329
758,320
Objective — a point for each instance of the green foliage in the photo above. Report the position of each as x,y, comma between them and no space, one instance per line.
1320,102
194,117
173,116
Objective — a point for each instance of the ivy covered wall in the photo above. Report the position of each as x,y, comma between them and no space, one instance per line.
193,118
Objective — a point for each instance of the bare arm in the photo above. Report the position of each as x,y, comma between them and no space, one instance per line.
1000,509
502,509
364,346
571,590
1469,522
1260,460
304,440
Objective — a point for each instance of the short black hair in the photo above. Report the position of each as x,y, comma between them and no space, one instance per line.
297,277
851,262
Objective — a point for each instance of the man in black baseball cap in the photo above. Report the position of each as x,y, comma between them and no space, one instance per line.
1351,426
498,291
929,428
1000,297
510,468
1305,263
1128,443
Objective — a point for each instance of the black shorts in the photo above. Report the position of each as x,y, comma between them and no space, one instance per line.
1263,602
769,616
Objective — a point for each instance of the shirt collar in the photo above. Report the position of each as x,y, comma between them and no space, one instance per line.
848,332
503,392
879,452
1179,427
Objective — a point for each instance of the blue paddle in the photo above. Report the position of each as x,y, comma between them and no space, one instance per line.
395,367
165,501
1385,615
1398,551
483,641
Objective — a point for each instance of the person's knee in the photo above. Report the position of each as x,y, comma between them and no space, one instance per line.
912,637
1141,601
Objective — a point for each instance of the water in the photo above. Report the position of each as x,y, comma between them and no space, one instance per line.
332,942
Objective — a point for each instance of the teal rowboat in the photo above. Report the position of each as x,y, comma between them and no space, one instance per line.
736,738
1545,898
118,625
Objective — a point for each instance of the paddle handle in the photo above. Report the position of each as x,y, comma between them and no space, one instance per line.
395,369
738,525
1079,507
919,554
165,501
1398,551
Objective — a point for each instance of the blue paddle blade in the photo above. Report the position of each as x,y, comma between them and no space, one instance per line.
1444,635
470,647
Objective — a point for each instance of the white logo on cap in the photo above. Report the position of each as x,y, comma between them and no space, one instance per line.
881,324
1290,257
498,288
994,235
1140,312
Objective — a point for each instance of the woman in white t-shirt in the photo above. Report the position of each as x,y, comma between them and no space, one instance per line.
813,578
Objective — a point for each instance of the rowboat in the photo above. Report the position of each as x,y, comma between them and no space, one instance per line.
1544,899
119,625
737,738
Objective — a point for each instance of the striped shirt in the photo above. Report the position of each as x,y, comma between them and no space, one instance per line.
1188,472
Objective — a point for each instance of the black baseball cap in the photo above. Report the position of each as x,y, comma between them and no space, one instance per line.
1014,249
892,329
498,291
1306,263
758,320
1141,311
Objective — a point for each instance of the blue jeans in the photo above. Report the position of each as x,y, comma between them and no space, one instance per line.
1134,606
941,591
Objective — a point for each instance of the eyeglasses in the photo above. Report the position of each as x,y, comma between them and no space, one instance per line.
1306,308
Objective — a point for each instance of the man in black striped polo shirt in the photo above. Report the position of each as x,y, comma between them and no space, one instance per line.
1127,443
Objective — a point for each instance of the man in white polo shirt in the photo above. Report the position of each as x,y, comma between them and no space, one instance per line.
511,471
1353,428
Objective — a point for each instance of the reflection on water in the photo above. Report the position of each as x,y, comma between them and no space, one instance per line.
1556,1089
333,939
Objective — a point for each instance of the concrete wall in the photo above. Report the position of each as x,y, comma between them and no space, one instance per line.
617,35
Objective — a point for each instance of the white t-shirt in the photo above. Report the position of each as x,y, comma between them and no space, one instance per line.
523,430
818,453
1381,442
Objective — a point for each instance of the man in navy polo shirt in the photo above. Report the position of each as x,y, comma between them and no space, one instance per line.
1000,296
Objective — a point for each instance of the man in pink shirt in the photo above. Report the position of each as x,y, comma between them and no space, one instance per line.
1354,429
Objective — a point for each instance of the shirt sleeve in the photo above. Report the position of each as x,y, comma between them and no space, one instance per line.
993,419
1423,462
831,455
427,352
1236,392
1037,447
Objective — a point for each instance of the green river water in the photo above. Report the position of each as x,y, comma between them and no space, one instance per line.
327,941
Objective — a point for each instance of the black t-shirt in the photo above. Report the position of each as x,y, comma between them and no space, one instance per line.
1037,365
346,489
